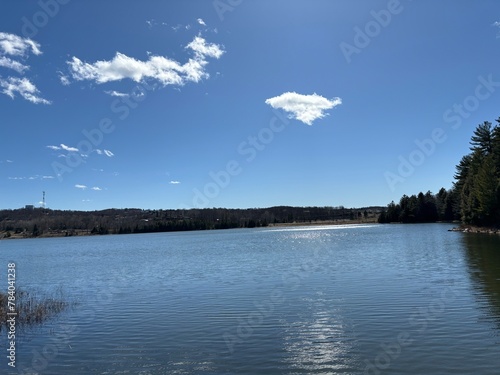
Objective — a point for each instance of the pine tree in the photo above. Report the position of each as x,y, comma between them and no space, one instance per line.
478,176
486,191
441,199
482,139
462,171
495,142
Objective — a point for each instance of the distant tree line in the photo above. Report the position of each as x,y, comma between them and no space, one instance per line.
475,196
39,221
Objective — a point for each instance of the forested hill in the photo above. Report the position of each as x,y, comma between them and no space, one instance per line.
45,222
475,196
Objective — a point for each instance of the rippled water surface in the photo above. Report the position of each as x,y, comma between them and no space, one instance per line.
363,299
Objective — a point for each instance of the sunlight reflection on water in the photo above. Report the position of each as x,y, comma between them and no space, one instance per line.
322,340
322,227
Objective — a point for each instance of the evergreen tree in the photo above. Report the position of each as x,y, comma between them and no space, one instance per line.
487,191
478,177
441,199
496,146
482,141
462,170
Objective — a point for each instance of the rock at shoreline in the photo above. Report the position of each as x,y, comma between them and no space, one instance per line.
470,229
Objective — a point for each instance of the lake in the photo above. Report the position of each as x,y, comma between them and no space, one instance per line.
359,299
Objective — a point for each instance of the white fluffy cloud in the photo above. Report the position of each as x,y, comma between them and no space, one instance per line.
305,108
82,187
14,47
175,182
162,69
96,188
23,87
201,22
8,63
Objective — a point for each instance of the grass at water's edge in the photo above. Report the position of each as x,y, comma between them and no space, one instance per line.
31,308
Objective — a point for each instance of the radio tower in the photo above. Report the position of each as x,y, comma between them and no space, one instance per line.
43,200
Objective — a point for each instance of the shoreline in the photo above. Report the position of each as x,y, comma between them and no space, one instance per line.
475,229
324,222
86,233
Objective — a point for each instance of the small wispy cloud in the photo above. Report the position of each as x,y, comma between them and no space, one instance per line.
68,148
108,153
82,187
12,64
31,178
63,78
12,49
201,22
497,25
23,87
117,93
96,188
175,182
305,108
63,147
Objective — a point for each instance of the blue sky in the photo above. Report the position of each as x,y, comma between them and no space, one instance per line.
239,103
